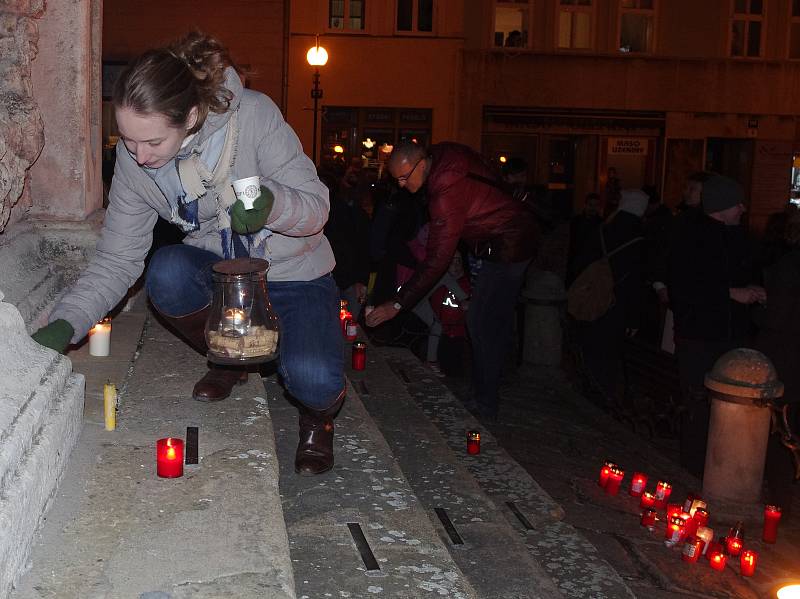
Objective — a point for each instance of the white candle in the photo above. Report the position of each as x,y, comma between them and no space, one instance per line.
705,533
100,339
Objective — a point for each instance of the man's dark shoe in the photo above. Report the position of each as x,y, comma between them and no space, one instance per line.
217,383
315,449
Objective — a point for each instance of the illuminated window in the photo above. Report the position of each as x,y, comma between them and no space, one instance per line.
575,24
511,24
415,15
746,22
794,32
346,14
636,25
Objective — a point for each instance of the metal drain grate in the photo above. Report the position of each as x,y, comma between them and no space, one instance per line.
520,516
363,547
449,526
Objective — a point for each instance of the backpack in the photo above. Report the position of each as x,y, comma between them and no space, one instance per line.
592,292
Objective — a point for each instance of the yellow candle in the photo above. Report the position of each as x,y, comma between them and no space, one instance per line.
110,405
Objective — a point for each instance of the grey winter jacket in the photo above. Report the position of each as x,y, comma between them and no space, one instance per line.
267,146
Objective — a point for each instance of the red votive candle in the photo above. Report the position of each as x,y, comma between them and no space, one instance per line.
690,525
687,505
359,359
733,545
638,483
692,549
747,562
717,559
663,491
604,473
614,481
647,500
673,509
169,457
675,528
350,329
772,515
649,516
473,442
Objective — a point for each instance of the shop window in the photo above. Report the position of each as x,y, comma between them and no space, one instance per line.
794,31
346,15
575,24
415,16
636,26
746,28
511,24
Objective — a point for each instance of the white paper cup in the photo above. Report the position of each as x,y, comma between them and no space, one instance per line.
247,190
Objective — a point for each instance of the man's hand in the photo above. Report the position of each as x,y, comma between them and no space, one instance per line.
55,335
386,311
245,221
748,295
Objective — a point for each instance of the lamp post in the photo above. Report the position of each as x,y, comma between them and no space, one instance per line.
316,56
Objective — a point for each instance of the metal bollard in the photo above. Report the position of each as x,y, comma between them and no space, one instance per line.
544,297
741,384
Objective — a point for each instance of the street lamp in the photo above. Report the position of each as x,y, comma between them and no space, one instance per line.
316,56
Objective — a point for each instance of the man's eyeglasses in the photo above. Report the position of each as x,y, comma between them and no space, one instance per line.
405,178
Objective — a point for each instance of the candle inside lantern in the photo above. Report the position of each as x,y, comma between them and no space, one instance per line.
473,442
169,457
235,321
747,562
663,491
692,549
717,560
649,516
705,533
605,471
615,478
359,356
638,483
100,338
647,500
110,406
772,515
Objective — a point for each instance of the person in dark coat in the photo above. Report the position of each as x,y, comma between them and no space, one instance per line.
581,227
468,201
602,340
710,290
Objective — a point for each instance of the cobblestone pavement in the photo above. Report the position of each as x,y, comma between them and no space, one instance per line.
562,440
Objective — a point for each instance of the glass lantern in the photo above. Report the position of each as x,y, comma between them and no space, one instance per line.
241,328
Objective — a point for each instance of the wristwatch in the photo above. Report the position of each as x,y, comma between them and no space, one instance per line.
397,306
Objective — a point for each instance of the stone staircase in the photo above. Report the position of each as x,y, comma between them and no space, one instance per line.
404,513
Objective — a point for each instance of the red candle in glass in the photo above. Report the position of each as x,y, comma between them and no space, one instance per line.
614,481
747,562
604,472
673,509
649,518
772,515
712,547
717,560
692,549
733,545
675,528
663,491
359,359
169,457
687,505
350,329
690,526
473,442
647,500
638,483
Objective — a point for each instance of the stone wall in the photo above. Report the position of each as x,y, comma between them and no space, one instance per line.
21,126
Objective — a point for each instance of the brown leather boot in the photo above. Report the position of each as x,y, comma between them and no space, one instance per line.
315,449
218,382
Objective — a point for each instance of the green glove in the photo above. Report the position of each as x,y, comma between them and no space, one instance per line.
250,221
55,335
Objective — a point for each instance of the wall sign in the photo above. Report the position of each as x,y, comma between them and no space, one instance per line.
636,146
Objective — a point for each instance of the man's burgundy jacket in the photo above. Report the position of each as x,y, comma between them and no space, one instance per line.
464,204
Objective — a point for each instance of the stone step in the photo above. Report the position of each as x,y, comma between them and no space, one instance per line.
573,563
365,491
483,542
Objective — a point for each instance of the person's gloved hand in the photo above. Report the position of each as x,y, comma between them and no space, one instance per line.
250,221
55,335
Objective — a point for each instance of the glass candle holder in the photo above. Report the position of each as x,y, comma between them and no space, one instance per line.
747,562
717,559
473,442
705,533
615,478
674,530
359,356
605,471
647,500
649,517
692,549
638,484
772,515
663,491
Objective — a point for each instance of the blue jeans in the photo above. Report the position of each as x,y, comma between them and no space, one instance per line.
178,282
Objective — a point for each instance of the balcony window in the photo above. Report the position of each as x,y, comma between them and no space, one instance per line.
511,20
794,31
637,24
746,26
346,15
575,24
415,16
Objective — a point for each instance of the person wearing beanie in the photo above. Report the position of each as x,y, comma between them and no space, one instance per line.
710,281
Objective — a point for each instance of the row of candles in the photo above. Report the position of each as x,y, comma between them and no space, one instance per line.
687,523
